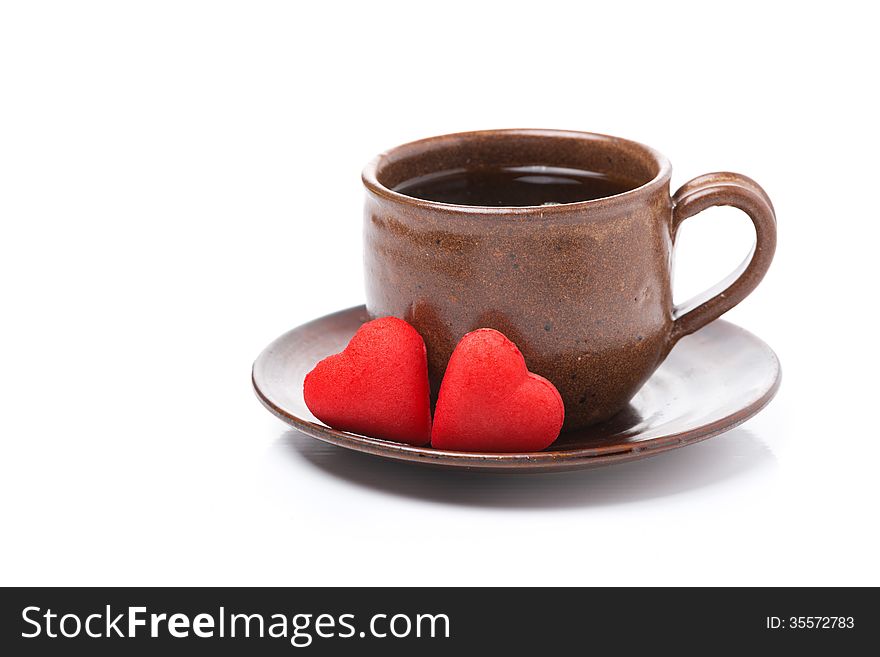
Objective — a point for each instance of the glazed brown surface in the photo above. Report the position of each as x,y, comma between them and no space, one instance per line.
710,382
582,288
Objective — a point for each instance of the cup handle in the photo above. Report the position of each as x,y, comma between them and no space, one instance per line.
741,192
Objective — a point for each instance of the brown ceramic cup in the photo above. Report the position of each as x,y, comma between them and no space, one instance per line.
583,289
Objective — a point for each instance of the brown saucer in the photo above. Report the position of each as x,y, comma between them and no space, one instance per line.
712,381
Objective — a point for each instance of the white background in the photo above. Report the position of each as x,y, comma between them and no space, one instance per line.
179,184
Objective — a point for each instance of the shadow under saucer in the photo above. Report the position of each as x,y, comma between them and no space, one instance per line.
734,454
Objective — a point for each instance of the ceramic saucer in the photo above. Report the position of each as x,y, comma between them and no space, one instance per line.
712,381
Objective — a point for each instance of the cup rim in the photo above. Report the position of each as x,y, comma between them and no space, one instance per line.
664,170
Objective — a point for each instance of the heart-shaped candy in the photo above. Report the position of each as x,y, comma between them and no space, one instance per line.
377,386
490,402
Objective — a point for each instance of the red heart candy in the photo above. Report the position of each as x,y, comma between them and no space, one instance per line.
490,402
377,386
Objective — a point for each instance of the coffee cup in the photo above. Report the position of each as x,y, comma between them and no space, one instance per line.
561,240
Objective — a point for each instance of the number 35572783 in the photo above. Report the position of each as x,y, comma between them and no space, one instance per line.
811,622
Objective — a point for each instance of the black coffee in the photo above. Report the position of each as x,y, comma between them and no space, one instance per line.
513,186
